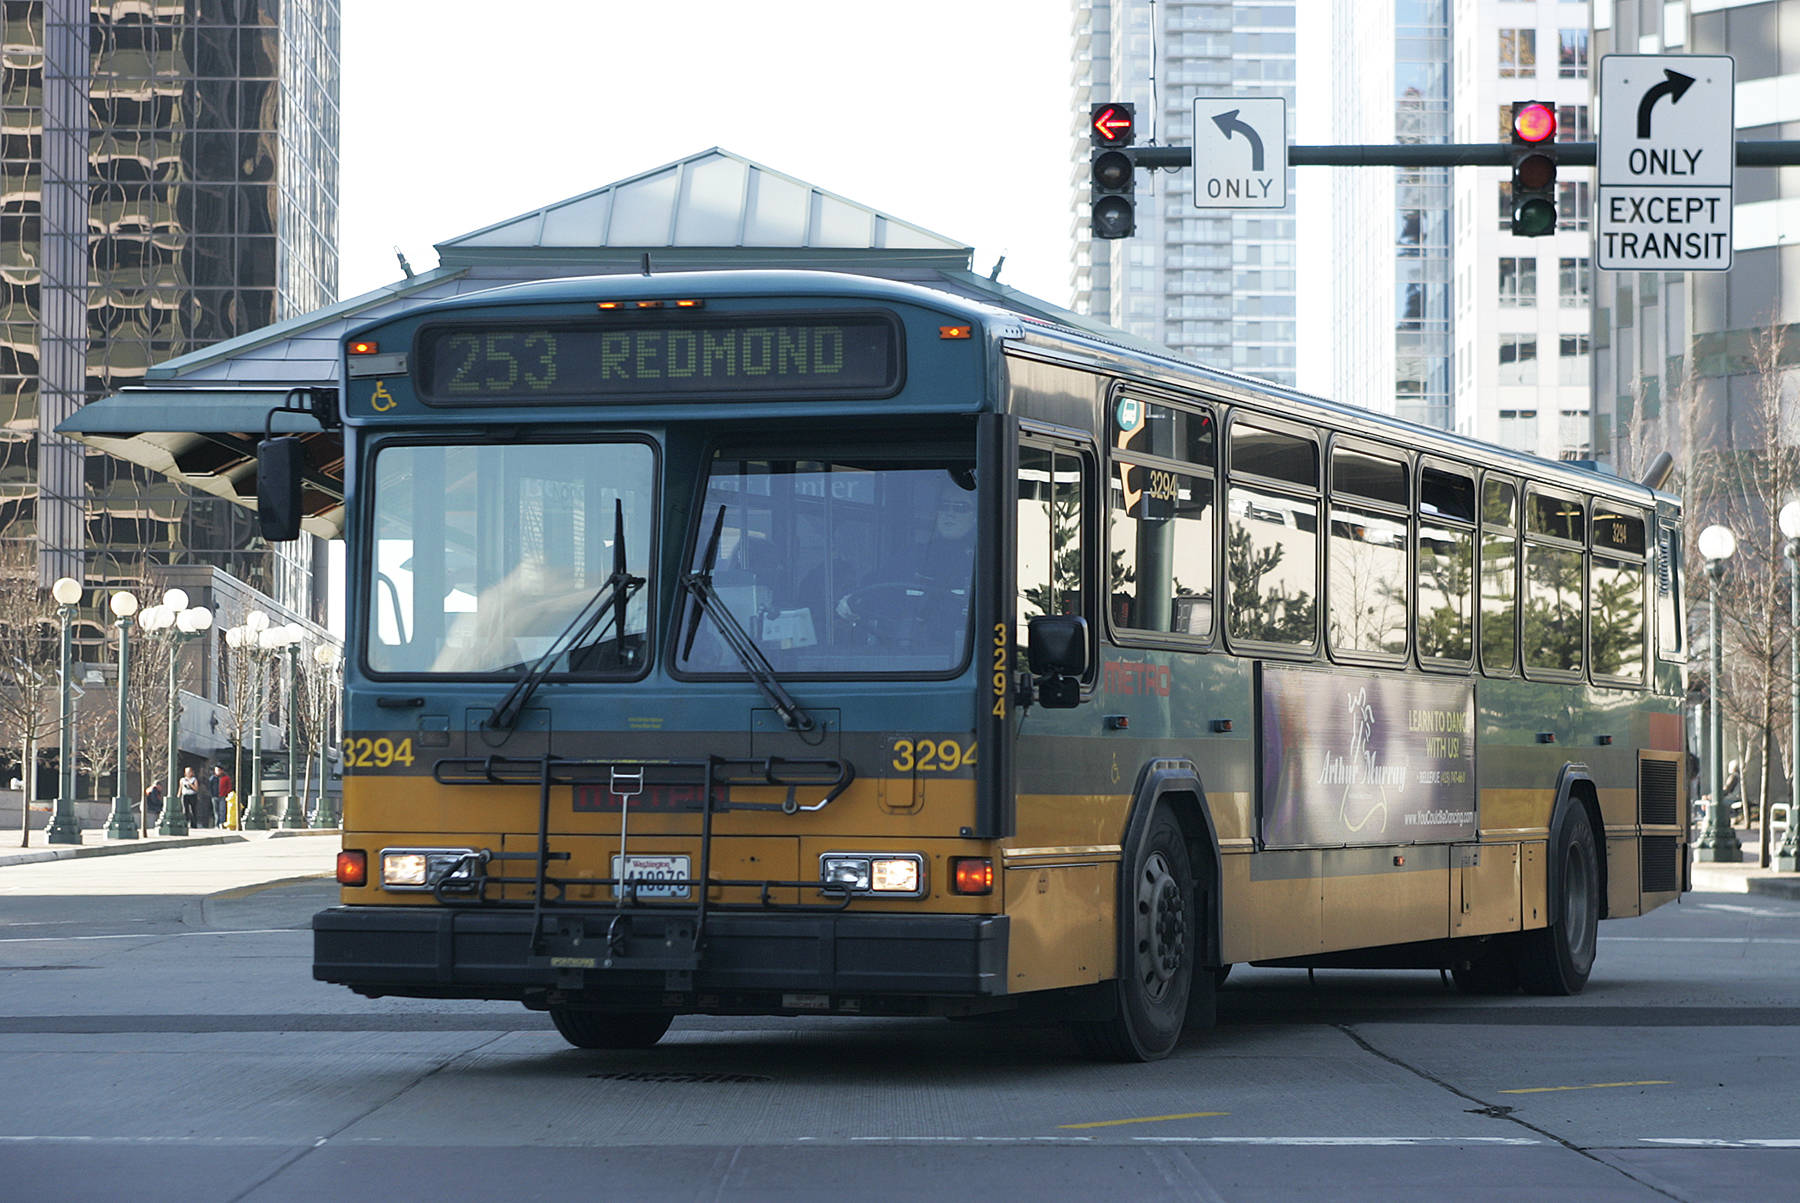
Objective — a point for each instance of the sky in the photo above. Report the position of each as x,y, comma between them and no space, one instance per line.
950,114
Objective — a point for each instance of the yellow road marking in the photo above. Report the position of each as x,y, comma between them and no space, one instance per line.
1145,1119
1593,1086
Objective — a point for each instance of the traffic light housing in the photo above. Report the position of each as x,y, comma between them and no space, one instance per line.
1533,153
1112,175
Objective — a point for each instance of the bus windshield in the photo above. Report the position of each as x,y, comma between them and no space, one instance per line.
483,555
846,563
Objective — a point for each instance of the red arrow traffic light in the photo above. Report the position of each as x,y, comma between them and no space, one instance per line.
1112,124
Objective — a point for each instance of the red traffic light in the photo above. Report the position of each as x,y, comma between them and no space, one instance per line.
1534,122
1112,124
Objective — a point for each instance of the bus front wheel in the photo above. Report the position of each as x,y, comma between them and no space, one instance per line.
1557,959
610,1029
1157,952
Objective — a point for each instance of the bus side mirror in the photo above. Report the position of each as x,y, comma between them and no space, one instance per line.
1057,648
280,463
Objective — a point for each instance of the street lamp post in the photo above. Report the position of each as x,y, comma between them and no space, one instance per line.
64,828
1719,842
119,824
1787,857
326,656
180,624
293,811
256,624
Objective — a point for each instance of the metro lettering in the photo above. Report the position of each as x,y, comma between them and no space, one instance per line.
1671,210
1249,188
1649,161
1628,244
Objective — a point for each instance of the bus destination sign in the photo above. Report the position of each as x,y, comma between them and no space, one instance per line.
758,355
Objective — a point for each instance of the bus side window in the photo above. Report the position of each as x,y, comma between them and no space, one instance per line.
1052,564
1446,570
1499,577
1553,581
1668,592
1272,538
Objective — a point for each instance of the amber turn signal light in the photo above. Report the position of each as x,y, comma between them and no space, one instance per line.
972,875
353,868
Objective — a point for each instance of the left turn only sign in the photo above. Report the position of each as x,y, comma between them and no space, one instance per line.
1240,152
1667,156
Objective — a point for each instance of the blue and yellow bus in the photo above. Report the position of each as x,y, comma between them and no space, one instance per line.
799,643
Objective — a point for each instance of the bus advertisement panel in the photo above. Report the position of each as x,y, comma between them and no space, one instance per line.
1349,758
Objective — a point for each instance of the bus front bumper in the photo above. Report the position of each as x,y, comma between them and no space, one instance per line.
440,952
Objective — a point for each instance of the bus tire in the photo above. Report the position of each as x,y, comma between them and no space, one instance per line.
1557,959
610,1029
1157,952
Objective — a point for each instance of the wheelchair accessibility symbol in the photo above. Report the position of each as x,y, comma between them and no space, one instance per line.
381,400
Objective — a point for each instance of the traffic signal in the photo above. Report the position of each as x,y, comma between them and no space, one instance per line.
1533,168
1111,173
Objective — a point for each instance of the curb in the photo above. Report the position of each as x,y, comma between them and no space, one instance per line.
78,851
1775,887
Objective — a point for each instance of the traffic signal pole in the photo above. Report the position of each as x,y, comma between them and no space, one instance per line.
1450,154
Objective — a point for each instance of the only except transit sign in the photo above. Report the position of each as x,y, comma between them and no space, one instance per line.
1667,153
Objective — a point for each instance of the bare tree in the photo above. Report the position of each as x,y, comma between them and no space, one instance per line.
147,715
96,735
1742,469
28,667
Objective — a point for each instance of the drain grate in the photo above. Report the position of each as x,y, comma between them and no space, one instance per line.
651,1075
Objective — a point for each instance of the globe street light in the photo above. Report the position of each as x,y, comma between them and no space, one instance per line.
250,642
119,824
327,658
1787,857
1719,842
181,624
293,810
64,829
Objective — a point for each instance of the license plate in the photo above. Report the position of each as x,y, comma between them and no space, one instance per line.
647,872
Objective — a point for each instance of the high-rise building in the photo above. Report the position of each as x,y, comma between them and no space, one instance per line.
1676,352
1214,284
1521,305
1441,314
170,180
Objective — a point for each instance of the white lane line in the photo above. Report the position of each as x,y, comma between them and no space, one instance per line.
234,931
1697,1142
1371,1142
1698,940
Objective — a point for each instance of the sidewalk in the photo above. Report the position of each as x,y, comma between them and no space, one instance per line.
1745,878
205,863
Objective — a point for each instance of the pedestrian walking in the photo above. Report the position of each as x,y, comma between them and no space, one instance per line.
224,796
153,801
189,792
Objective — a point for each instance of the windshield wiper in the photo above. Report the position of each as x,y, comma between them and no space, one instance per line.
793,715
614,594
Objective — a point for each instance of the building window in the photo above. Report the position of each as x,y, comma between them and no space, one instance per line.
1518,429
1505,205
1572,361
1518,364
1518,281
1574,205
1574,281
1572,123
1518,53
1572,54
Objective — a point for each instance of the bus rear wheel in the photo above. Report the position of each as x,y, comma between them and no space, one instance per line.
1157,954
1557,959
610,1029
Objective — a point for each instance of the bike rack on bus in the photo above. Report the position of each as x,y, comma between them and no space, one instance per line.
466,882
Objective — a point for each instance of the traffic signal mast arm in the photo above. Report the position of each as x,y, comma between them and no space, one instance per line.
1451,154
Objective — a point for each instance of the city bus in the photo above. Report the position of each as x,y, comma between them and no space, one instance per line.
795,643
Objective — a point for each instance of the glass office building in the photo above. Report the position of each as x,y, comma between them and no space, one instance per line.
170,180
1215,284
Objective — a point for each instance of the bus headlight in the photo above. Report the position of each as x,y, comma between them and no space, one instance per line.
894,874
421,868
